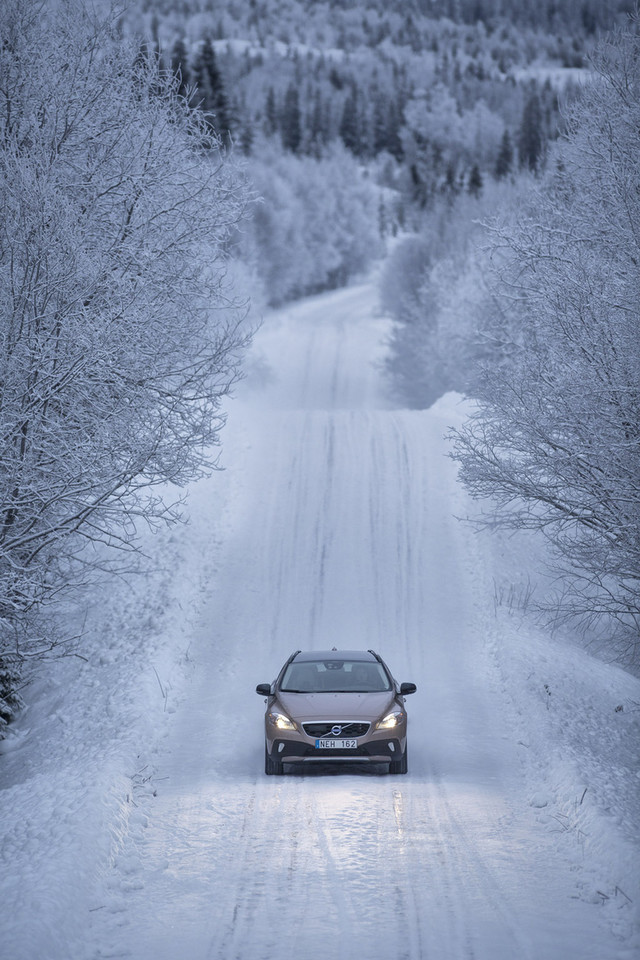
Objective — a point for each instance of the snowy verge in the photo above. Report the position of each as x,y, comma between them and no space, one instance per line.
575,719
77,770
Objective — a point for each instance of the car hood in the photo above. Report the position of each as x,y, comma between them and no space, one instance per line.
338,706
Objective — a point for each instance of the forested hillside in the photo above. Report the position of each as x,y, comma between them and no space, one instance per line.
432,100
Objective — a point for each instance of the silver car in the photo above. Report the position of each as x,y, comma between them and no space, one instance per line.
335,705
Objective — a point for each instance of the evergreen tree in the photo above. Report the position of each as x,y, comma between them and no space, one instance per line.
475,181
10,681
270,124
394,141
216,97
199,82
291,121
504,160
319,125
247,135
381,125
530,139
179,65
450,186
350,126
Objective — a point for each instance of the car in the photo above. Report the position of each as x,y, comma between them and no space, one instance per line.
335,706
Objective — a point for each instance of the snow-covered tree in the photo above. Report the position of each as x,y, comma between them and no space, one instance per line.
117,336
317,224
556,439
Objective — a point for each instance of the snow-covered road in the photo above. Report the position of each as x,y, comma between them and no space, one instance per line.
339,529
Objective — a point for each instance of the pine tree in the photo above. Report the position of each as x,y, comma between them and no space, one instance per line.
247,136
199,82
475,181
270,124
179,65
504,160
450,186
350,127
10,701
381,115
530,139
319,127
394,142
216,100
291,122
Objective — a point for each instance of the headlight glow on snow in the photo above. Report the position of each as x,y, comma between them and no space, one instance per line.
391,720
281,721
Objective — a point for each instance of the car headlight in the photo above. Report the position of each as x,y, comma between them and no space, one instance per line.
281,721
391,720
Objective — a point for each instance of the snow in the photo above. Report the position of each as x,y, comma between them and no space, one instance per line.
559,77
241,47
138,822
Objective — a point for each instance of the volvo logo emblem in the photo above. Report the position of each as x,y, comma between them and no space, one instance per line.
336,731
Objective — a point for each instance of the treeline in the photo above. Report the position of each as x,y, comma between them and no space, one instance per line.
372,77
558,15
436,103
344,24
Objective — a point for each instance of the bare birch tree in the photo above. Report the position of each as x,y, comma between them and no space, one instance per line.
118,339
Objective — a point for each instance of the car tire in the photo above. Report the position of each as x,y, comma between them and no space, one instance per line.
401,765
272,768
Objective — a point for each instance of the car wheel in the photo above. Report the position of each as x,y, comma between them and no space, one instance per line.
272,768
401,765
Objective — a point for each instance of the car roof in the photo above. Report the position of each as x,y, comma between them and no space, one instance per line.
334,655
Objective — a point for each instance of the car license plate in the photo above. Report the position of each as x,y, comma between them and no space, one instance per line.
334,744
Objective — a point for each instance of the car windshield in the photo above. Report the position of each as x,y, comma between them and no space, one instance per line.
335,676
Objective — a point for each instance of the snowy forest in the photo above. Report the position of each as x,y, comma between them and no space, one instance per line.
319,328
172,168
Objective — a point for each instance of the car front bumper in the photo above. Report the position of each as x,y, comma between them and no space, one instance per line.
372,751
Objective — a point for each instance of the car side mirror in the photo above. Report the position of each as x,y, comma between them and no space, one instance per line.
406,688
264,689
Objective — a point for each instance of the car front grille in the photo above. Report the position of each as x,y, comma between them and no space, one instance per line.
328,728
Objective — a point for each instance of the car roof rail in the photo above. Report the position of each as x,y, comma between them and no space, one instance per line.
376,655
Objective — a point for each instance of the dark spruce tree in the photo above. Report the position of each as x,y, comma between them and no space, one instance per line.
474,185
504,160
291,120
179,66
530,138
350,125
217,103
198,98
319,132
270,122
